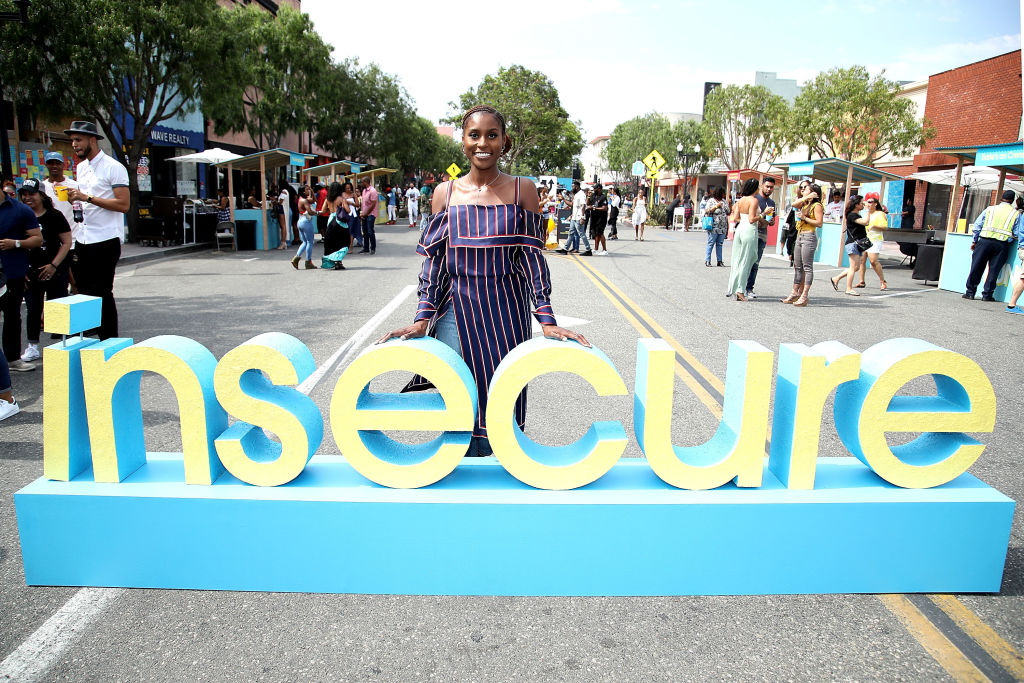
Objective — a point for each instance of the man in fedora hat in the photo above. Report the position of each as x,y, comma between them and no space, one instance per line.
103,191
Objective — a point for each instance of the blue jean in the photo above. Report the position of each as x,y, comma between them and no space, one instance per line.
306,230
716,240
5,374
576,233
753,269
369,236
447,331
356,230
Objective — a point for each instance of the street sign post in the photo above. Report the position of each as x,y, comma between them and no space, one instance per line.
654,161
638,169
453,171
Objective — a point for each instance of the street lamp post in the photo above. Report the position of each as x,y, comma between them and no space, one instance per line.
687,158
21,16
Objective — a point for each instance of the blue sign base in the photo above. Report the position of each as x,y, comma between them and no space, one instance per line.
481,532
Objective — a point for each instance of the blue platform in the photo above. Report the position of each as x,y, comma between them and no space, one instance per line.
481,532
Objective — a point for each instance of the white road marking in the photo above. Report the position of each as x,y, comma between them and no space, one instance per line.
916,291
563,321
49,642
354,343
246,260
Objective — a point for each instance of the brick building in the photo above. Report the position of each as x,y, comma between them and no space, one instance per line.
976,104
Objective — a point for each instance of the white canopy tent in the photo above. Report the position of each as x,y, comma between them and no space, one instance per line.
974,177
215,155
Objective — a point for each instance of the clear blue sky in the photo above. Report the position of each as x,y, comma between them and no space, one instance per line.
614,59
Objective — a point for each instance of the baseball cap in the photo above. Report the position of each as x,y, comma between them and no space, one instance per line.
1009,195
53,156
30,185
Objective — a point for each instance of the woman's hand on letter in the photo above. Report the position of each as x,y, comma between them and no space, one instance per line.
417,329
556,332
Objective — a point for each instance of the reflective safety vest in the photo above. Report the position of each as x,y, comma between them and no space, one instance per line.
999,221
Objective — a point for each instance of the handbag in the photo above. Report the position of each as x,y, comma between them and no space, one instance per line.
708,223
864,243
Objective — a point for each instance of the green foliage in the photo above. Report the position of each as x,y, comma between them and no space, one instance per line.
847,114
273,68
656,214
363,113
543,136
746,125
634,139
103,59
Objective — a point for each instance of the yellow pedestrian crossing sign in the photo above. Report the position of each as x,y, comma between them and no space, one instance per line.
453,171
653,174
654,161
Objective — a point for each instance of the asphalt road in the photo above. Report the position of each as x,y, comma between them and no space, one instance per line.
222,300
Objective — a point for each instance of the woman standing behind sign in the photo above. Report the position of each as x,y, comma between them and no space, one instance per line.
811,215
878,220
483,268
744,251
639,216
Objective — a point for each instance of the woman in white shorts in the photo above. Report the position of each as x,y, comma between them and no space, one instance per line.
877,222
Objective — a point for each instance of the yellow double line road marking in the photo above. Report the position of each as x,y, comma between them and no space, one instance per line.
710,391
934,639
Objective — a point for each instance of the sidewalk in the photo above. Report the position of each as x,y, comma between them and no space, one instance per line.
132,252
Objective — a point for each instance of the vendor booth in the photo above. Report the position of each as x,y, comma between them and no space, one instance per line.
263,237
831,236
956,257
199,218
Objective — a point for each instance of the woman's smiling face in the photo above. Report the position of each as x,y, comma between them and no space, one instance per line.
483,140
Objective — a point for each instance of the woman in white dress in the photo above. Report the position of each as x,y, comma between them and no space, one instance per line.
639,216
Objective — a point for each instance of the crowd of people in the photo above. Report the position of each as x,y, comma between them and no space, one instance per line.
56,234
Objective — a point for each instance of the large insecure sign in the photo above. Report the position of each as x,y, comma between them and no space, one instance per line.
254,384
98,469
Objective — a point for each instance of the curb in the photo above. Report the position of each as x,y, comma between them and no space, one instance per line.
169,252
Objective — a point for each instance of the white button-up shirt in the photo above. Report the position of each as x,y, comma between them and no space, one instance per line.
98,177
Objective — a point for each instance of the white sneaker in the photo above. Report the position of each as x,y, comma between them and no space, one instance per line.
21,366
31,353
8,409
603,252
751,295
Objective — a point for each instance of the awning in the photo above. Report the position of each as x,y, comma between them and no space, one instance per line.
273,158
371,174
837,171
669,182
334,168
1008,156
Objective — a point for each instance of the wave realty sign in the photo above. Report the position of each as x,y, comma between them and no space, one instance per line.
238,510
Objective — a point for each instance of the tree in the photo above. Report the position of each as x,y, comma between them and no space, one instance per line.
275,66
543,136
633,140
746,125
847,114
128,65
364,114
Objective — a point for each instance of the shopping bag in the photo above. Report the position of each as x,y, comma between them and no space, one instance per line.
708,223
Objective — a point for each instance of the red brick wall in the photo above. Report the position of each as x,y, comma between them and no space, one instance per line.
977,104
